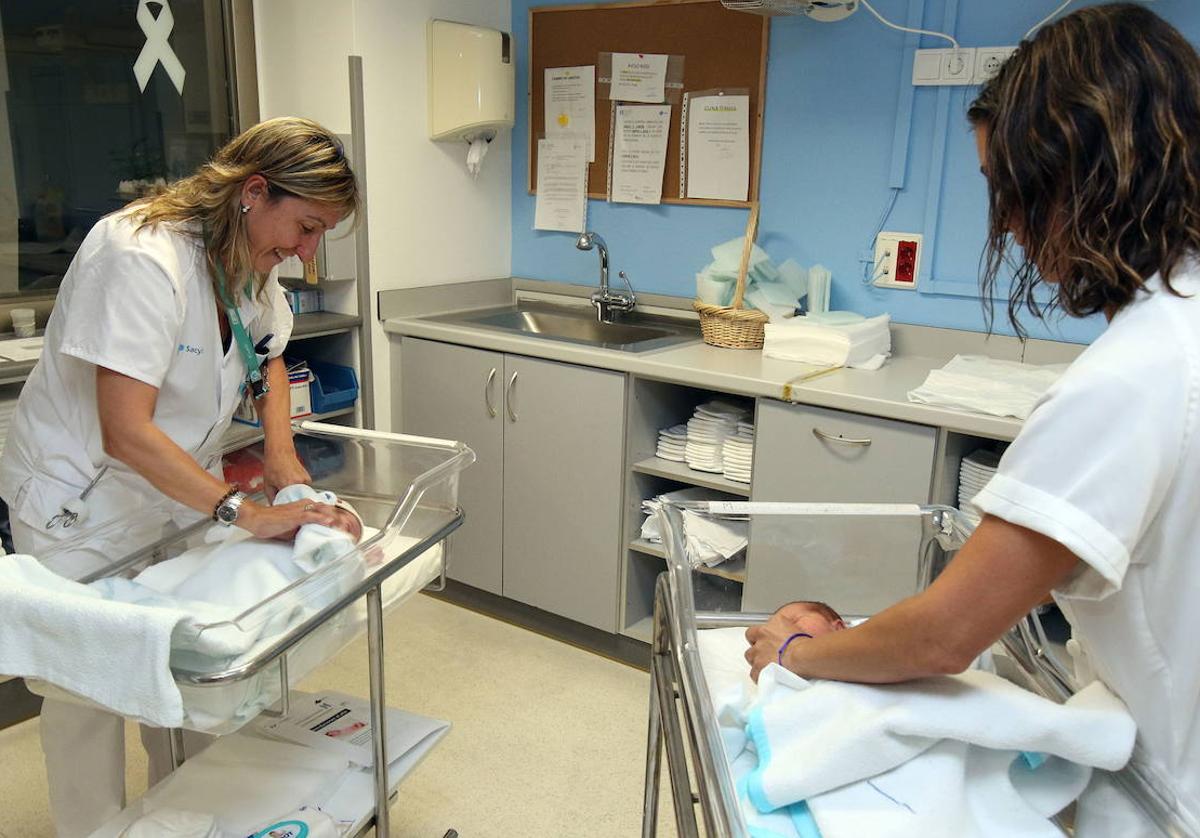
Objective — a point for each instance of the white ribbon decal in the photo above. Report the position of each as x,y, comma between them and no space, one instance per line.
156,49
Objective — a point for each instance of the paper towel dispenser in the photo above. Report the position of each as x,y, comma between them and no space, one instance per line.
471,81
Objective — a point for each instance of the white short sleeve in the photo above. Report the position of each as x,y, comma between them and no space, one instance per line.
125,313
275,316
1095,460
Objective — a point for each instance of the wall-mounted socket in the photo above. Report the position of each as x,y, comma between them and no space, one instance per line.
988,61
897,260
943,66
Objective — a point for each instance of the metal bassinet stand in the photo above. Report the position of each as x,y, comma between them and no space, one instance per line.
681,708
424,472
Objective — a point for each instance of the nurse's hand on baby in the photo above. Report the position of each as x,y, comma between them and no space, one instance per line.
281,522
796,618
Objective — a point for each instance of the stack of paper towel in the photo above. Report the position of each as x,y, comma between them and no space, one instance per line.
738,453
707,541
848,340
672,443
974,472
712,424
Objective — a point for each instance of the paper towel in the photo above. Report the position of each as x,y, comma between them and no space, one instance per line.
475,155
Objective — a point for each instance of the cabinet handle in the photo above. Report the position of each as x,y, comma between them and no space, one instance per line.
487,393
820,434
508,398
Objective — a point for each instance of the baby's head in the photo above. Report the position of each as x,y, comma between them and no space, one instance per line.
813,618
346,519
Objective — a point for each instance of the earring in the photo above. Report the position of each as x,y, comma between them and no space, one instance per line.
245,208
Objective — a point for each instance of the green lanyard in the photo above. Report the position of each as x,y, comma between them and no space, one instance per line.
259,385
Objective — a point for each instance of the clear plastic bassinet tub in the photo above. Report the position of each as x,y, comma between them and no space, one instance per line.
230,663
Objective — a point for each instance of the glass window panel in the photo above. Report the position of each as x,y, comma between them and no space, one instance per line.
79,135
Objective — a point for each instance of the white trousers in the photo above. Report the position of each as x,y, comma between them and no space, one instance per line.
84,746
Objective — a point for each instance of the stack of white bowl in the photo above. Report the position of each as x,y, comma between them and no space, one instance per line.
737,455
672,443
974,472
707,430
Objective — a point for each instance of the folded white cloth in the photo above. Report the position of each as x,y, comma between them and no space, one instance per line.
865,344
174,823
113,653
987,385
708,541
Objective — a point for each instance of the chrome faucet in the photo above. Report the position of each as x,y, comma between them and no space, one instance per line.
605,299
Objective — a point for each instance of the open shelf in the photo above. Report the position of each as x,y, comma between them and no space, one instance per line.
734,569
321,323
239,435
642,630
681,473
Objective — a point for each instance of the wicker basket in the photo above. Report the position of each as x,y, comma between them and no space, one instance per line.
731,328
734,327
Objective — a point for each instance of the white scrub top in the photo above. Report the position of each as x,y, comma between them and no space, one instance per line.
140,303
1108,465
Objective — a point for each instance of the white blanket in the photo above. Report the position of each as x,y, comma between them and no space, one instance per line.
961,755
113,642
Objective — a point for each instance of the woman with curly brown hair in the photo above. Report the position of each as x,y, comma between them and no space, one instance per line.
1089,138
170,309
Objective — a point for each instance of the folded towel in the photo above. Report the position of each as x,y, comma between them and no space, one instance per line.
824,734
115,654
863,344
987,385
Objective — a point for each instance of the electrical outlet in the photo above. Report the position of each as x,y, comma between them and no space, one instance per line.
943,66
958,66
897,260
988,61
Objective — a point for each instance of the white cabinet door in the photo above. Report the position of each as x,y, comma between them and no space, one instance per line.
810,454
455,392
563,475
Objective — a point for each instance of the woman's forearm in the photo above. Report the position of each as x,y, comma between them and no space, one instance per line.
275,410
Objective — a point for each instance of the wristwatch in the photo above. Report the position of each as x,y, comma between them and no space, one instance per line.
226,511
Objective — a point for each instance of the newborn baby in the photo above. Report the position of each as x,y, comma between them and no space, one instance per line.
811,618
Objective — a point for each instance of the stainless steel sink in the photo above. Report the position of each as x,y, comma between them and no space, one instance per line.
635,332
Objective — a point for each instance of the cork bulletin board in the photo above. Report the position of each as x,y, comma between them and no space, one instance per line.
721,49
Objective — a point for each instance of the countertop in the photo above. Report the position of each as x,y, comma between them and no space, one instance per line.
744,372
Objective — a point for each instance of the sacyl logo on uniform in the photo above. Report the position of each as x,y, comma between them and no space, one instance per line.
191,350
157,50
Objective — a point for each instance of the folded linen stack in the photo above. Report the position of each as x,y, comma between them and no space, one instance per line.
672,443
987,385
708,541
845,341
974,472
737,455
707,430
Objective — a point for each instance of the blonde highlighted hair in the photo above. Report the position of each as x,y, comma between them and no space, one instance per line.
297,157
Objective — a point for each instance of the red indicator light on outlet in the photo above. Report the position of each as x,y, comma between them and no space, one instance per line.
906,262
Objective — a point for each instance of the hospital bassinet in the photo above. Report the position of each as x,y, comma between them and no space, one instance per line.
807,551
230,670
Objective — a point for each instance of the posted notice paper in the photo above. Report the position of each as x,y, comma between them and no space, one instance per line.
638,77
639,153
718,147
561,185
570,104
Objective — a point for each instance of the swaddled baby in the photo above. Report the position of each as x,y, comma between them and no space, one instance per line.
218,581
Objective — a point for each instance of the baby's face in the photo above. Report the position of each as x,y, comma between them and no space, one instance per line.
812,618
347,523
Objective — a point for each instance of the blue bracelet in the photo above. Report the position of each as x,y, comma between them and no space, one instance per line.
783,648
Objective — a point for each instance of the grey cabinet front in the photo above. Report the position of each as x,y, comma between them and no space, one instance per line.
809,454
563,475
455,392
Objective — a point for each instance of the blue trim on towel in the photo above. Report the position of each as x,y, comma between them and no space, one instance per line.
1034,759
757,731
803,820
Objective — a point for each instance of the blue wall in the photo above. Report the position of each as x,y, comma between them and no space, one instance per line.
843,124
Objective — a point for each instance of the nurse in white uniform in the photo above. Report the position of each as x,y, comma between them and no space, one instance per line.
1089,138
170,308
